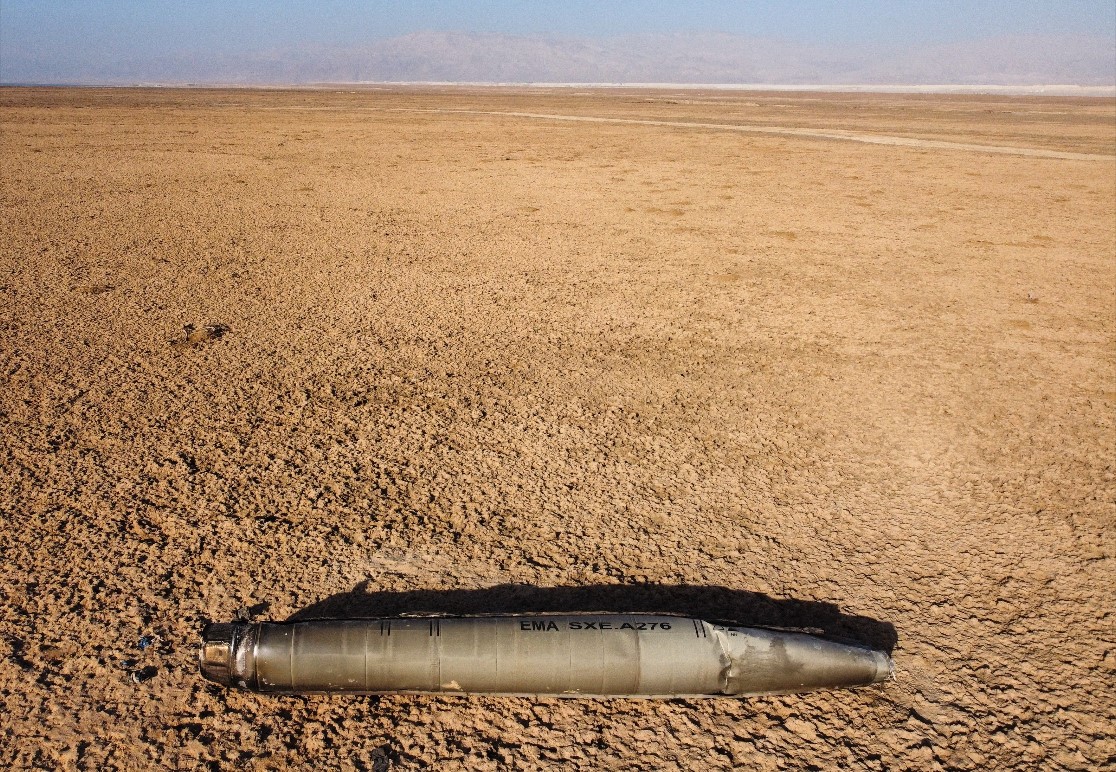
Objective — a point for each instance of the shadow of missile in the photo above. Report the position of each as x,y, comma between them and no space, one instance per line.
711,603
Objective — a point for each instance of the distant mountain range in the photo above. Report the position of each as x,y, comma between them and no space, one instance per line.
674,58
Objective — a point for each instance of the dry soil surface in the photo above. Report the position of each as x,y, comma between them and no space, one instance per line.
382,351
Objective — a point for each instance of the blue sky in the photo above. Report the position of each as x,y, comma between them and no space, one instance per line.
139,27
299,41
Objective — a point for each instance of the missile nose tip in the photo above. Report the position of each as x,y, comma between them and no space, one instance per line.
885,668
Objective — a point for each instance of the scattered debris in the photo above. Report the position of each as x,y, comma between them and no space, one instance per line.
1031,298
145,642
193,336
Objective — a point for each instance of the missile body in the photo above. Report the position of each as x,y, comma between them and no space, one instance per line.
580,655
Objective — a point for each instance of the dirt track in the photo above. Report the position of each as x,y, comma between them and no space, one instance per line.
791,131
480,362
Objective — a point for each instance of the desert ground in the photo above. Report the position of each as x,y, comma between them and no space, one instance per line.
363,351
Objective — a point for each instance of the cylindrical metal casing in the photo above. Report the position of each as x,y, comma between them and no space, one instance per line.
579,655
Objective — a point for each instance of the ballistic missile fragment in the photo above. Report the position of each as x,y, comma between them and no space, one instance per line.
579,655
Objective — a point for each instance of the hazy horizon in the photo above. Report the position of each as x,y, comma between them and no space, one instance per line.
288,42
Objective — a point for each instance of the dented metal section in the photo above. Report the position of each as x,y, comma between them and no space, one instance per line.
574,655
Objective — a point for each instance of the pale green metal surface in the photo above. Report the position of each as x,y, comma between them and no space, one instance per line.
580,655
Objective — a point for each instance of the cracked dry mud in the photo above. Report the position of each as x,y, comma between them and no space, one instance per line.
488,360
